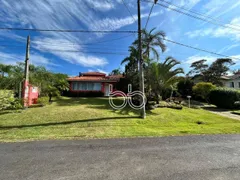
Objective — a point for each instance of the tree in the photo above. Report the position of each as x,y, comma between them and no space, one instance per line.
131,68
150,41
116,72
164,75
199,67
49,84
217,69
185,86
5,69
213,72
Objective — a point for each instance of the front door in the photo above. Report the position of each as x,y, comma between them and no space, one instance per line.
106,93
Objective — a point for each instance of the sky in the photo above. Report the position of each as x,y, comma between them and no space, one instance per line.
72,53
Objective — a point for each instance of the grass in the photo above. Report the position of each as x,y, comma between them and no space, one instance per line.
68,118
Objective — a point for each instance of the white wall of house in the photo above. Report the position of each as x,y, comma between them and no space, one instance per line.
232,83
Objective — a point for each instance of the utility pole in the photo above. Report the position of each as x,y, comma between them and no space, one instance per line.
26,75
140,60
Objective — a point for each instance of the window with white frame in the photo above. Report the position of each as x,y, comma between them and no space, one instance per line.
86,86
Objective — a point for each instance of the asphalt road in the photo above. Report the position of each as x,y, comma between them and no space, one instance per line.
190,157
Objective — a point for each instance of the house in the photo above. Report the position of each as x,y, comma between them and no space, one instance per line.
93,82
232,81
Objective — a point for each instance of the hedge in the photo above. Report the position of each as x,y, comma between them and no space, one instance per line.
224,97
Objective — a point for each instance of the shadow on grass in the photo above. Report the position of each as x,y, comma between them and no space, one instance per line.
67,122
215,109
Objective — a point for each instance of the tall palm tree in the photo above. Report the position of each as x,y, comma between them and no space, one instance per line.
164,75
150,40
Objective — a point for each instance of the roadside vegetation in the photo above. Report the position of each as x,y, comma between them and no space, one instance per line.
68,118
167,89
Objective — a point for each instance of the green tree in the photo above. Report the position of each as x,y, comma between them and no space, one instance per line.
150,41
203,90
164,75
116,72
184,87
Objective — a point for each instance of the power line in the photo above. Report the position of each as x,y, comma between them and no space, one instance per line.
66,30
149,16
193,16
199,49
97,42
93,52
134,20
195,12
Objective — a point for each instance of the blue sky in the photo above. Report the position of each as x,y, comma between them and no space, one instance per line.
111,15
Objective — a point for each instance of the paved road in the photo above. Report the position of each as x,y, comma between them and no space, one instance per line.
168,158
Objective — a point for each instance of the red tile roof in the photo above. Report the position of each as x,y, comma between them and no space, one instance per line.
93,74
95,77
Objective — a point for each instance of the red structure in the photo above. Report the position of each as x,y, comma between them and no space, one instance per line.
30,94
93,82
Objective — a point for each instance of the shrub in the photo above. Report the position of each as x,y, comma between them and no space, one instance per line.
224,97
203,90
43,101
6,98
184,87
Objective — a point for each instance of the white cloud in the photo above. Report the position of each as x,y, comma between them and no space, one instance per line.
35,58
195,58
102,5
227,48
218,32
68,51
219,8
102,71
117,23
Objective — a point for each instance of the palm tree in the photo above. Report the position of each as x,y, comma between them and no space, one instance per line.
164,75
151,40
131,68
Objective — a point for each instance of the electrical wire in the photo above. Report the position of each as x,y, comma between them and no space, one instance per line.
193,16
66,30
149,16
195,12
199,49
124,3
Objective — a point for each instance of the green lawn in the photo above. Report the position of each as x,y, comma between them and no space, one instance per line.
70,118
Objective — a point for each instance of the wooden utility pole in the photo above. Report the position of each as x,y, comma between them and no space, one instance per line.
140,60
26,75
27,60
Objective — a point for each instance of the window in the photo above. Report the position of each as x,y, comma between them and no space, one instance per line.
86,86
232,84
239,84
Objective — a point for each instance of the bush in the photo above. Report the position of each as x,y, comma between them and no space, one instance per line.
203,90
224,97
184,87
43,101
86,94
6,98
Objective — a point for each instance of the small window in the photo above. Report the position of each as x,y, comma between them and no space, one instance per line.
232,84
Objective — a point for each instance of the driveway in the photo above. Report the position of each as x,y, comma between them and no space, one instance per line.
204,157
222,112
